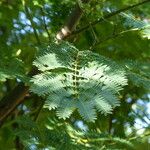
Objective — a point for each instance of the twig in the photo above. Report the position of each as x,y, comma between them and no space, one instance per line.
45,26
136,137
113,36
32,23
109,16
10,102
39,110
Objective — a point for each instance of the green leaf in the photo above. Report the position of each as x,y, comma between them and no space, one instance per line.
71,76
136,24
66,109
86,110
11,68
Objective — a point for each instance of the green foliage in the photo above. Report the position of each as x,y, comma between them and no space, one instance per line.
133,23
36,135
11,67
73,79
82,85
138,73
49,137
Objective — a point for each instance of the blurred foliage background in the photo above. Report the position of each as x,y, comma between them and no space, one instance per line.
123,37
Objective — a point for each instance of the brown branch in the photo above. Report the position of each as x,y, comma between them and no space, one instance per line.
32,23
10,102
45,26
109,16
16,97
72,22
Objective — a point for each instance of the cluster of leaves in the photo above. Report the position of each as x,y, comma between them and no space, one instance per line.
48,134
132,24
10,67
138,73
73,79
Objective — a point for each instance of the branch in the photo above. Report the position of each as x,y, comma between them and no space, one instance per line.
32,23
109,16
45,26
72,22
10,102
113,36
16,97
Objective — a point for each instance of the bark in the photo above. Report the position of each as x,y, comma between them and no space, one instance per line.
71,23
